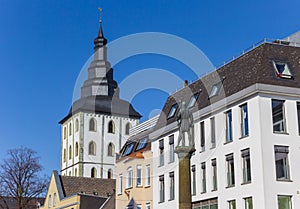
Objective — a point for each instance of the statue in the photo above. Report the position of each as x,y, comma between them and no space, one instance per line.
185,124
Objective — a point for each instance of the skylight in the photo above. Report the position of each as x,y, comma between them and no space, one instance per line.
128,149
215,89
142,144
172,111
193,100
282,70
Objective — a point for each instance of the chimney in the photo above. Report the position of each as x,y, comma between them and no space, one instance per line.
186,83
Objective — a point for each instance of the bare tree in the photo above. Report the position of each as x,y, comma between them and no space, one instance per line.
19,177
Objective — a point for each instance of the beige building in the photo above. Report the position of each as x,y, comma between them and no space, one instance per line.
134,173
67,192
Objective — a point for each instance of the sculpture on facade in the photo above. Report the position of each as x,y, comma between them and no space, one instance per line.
185,124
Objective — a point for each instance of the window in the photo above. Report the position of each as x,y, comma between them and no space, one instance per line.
54,199
70,152
147,178
111,127
128,126
161,189
172,186
248,203
161,152
228,126
278,115
244,120
111,149
203,169
282,164
128,149
129,178
282,70
120,185
93,172
75,172
172,111
142,144
232,204
76,149
76,125
49,201
148,205
65,155
92,148
109,174
193,100
230,170
65,132
139,176
70,129
92,124
298,112
202,136
214,175
215,89
193,180
284,202
171,149
139,206
70,173
246,166
213,132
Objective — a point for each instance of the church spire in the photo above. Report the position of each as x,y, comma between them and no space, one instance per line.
100,41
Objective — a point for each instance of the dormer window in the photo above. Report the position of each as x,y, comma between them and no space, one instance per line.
172,111
128,149
142,144
282,70
193,100
215,89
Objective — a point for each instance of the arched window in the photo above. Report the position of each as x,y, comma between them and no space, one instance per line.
111,127
92,124
75,171
128,126
70,173
76,149
92,148
70,129
110,149
76,125
54,200
49,201
65,155
70,152
93,172
65,132
109,174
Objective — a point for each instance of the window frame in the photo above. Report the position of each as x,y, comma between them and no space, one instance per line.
229,126
172,186
283,119
129,178
246,166
92,125
193,100
282,150
244,120
139,176
172,111
92,148
281,74
171,149
215,89
230,170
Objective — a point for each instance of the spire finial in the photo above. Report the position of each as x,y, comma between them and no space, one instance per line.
100,40
100,18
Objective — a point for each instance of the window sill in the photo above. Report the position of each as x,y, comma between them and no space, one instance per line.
203,193
147,186
119,194
230,186
128,188
281,132
161,165
213,147
228,142
161,202
245,183
139,186
171,199
284,180
243,137
214,190
171,162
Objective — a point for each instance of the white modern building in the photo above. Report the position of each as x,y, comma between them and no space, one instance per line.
98,123
246,128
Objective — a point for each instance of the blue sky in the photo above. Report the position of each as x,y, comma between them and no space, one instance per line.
44,44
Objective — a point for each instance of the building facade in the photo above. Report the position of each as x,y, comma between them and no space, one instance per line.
246,129
98,123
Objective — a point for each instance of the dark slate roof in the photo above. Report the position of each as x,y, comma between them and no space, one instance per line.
73,185
12,203
253,67
91,202
103,104
110,203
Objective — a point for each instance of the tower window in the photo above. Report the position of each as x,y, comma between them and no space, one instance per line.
110,149
70,152
92,148
65,155
70,129
111,127
109,174
282,70
76,125
128,126
92,124
93,172
65,132
76,149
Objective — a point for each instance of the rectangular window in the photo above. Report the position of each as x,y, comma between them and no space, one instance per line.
172,186
228,126
129,178
248,203
244,120
230,170
284,202
298,113
203,169
161,153
148,205
278,116
202,136
246,166
120,184
232,204
171,147
214,174
282,163
147,178
193,180
139,206
161,189
139,176
213,132
142,144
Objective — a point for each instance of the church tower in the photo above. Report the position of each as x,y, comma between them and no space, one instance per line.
98,123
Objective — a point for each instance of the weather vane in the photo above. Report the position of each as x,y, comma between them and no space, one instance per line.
100,10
